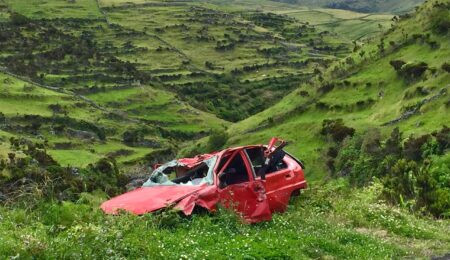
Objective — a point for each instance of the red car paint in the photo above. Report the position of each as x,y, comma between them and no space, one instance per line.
254,197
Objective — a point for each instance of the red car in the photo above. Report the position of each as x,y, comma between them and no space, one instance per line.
254,180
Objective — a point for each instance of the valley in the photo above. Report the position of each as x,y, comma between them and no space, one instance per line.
94,92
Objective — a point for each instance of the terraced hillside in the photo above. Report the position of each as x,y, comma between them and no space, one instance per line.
62,86
93,93
79,131
202,54
168,69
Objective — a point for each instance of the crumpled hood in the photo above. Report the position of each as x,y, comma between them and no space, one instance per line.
148,199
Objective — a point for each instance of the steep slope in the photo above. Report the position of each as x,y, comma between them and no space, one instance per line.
365,91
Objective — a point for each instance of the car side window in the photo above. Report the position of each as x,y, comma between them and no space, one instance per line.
256,156
234,173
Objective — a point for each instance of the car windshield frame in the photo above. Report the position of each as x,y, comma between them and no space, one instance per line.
159,178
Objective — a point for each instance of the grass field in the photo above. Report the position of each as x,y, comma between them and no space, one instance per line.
86,9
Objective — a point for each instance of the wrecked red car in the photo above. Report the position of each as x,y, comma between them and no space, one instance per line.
254,180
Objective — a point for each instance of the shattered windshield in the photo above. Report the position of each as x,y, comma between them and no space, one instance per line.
176,173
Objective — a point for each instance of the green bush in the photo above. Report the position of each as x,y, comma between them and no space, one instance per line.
414,174
433,184
399,184
446,66
18,19
440,20
336,129
217,140
413,70
397,64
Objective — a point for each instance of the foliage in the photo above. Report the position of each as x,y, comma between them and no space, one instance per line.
18,19
411,70
405,168
399,181
440,19
336,129
217,140
37,176
446,66
397,64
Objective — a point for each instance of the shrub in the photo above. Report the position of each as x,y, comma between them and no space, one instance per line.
393,145
2,118
326,87
400,181
217,140
349,152
433,187
132,137
18,19
413,70
336,129
397,64
371,144
446,67
413,147
440,20
443,138
364,168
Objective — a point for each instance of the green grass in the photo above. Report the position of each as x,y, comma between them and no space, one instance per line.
79,158
391,6
335,222
56,9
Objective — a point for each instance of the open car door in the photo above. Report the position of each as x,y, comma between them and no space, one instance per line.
239,190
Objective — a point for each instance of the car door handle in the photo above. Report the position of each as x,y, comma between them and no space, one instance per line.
289,175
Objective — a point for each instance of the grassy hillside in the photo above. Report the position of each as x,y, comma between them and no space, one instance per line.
80,131
364,90
345,24
365,6
203,53
93,93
